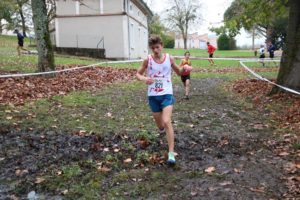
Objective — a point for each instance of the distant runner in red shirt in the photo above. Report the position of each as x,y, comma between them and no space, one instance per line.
211,49
186,74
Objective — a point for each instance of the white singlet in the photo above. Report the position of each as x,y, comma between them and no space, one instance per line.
161,74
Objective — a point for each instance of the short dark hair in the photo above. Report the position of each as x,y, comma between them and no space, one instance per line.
155,39
187,52
207,43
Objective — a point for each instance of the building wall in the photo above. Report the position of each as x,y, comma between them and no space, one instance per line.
138,39
124,36
191,43
138,32
196,43
113,6
92,30
66,7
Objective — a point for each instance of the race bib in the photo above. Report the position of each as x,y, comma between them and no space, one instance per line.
158,83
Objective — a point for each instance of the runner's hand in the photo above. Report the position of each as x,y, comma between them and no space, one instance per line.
187,68
148,80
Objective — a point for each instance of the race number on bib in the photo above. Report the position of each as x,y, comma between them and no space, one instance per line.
159,84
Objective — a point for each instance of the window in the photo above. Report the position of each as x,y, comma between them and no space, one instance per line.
145,42
77,7
101,6
132,36
130,7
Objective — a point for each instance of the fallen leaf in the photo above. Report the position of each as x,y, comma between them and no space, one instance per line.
106,149
59,173
116,150
143,143
39,180
226,183
194,193
128,160
19,172
13,197
284,153
103,169
64,192
260,189
237,170
210,170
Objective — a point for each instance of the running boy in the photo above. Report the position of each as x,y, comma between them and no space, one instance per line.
262,54
185,76
20,42
211,50
158,68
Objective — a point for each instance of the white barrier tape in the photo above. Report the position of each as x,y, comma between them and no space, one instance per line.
230,59
69,69
267,80
120,62
259,60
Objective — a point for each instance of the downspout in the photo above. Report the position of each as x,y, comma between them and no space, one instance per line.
128,26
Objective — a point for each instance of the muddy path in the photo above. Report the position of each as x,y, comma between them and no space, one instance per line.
221,146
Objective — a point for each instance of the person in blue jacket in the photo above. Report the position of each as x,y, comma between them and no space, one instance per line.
271,49
20,42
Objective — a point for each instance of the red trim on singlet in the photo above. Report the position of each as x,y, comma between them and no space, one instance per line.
161,61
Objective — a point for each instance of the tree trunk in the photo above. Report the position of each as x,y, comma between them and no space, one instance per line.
20,10
185,42
270,36
23,22
184,39
44,46
289,72
253,38
1,27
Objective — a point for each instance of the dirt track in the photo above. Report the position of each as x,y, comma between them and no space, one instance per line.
212,130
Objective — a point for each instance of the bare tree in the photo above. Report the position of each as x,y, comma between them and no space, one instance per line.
182,14
51,10
44,46
20,9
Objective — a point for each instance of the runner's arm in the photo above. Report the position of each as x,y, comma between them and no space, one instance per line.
141,71
178,69
181,64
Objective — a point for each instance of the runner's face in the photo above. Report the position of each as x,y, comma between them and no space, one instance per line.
156,49
187,56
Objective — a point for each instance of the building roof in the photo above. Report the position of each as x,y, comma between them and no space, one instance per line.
144,7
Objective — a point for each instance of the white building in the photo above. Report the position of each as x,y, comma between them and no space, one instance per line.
195,41
118,26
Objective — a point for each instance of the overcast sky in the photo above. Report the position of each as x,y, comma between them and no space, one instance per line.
212,13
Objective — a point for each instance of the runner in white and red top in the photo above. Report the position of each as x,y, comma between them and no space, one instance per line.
161,74
160,91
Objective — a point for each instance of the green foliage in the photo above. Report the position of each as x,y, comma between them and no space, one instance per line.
6,11
157,28
169,42
226,43
269,18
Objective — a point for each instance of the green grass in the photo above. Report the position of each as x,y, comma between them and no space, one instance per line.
218,53
82,111
9,61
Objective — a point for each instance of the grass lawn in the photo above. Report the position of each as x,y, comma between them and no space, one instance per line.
218,53
27,63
